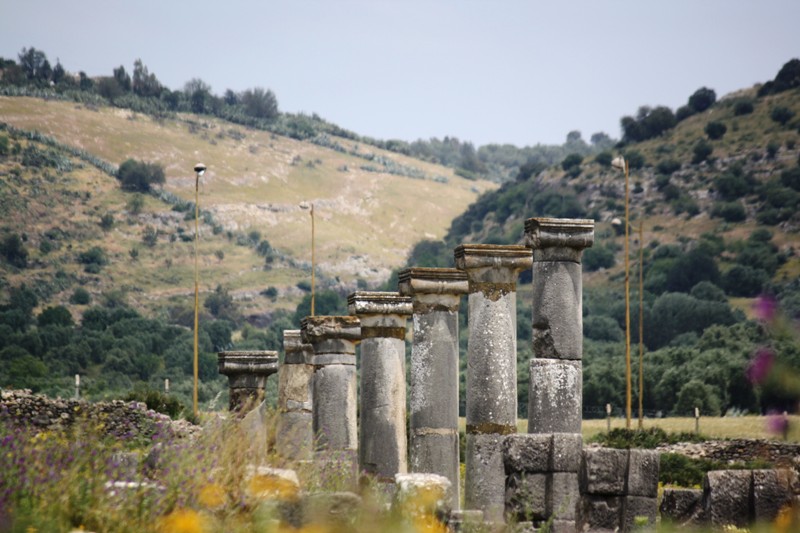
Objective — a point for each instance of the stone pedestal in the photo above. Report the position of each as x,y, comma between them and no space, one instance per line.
433,420
383,447
295,434
492,272
334,340
247,373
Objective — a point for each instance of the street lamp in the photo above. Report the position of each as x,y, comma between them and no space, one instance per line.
306,205
620,163
199,170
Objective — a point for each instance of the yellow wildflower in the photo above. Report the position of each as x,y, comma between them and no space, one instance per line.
427,523
212,496
263,486
182,521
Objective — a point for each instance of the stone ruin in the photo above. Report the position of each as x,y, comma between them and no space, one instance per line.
544,476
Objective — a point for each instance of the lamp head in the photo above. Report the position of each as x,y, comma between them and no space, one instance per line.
618,162
200,168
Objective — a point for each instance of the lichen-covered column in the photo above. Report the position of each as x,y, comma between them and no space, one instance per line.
295,433
555,397
247,373
334,340
382,446
433,389
492,271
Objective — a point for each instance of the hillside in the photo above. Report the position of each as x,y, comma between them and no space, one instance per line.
366,218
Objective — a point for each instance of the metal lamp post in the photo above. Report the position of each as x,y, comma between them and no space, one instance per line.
305,205
199,170
620,163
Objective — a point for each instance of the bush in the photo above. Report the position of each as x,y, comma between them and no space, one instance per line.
715,130
729,211
702,99
702,150
572,160
772,149
743,107
14,251
80,297
93,256
604,158
602,328
635,159
781,115
139,175
597,257
668,166
157,401
107,221
55,316
744,280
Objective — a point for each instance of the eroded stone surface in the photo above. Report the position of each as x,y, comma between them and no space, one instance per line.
555,396
527,453
643,467
604,471
726,497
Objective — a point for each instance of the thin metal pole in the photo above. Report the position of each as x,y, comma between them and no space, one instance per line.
196,290
627,312
641,324
313,260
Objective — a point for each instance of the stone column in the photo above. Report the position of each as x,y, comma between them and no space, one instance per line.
295,434
247,373
334,340
382,446
555,395
492,271
433,420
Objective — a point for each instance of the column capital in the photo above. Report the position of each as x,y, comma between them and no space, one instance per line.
558,239
492,268
296,352
419,280
256,363
378,303
334,338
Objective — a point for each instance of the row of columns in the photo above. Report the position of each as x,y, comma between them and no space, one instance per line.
324,355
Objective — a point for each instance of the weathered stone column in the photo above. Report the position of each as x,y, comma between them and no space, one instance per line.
295,432
334,340
555,395
382,446
433,420
247,373
492,271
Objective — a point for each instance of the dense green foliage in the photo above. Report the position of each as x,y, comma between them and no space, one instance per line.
139,176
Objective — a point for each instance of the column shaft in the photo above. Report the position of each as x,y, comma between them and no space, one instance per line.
491,368
295,433
434,369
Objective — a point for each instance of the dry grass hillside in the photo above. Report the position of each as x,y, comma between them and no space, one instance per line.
366,219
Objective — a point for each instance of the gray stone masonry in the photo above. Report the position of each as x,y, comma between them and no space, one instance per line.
247,373
681,506
726,497
492,271
772,490
294,438
604,471
433,393
423,496
334,340
383,447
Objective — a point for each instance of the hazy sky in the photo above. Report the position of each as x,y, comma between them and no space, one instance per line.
503,71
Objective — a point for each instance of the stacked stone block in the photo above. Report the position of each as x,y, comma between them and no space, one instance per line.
295,432
542,479
433,390
383,445
619,488
492,272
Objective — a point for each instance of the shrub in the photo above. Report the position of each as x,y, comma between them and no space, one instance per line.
668,166
602,328
597,257
139,175
604,158
150,236
55,316
729,211
93,256
572,160
157,401
702,99
715,130
107,221
781,115
14,250
635,159
80,297
702,150
743,280
135,204
772,149
743,107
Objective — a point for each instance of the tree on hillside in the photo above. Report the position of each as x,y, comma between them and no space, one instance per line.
715,130
199,94
123,79
649,123
781,115
34,64
788,78
702,99
145,83
260,103
140,176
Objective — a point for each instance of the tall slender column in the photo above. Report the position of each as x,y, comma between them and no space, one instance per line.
492,271
247,373
382,446
433,420
295,434
334,340
555,395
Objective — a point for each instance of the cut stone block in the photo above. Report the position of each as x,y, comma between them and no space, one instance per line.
567,452
680,505
563,495
604,471
463,521
527,453
635,510
563,526
726,497
772,490
643,467
526,497
423,494
485,482
599,513
327,508
555,398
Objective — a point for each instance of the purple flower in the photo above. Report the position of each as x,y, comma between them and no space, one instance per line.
777,423
765,308
760,365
